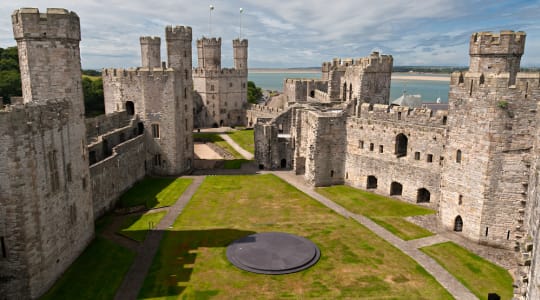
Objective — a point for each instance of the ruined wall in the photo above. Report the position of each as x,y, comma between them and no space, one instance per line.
490,124
302,90
105,123
255,111
372,140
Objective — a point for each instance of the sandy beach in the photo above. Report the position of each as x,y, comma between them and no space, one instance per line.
396,76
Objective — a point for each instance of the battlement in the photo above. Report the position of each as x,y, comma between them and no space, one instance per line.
57,23
419,116
150,40
240,43
374,60
504,43
263,108
178,33
524,83
36,116
201,72
134,74
209,42
302,80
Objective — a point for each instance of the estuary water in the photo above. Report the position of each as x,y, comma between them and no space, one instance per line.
429,89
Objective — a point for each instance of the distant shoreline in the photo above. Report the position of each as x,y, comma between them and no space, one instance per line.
395,76
275,71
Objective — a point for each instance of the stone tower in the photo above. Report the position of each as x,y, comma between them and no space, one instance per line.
179,47
150,51
240,54
46,215
209,53
484,180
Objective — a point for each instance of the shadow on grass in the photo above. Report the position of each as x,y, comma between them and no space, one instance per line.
145,192
173,264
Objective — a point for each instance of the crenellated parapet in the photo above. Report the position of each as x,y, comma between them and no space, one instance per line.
468,83
402,114
178,33
112,73
36,117
150,51
240,43
504,43
227,72
57,23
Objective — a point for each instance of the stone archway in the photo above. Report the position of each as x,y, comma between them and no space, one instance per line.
371,182
423,196
458,224
396,189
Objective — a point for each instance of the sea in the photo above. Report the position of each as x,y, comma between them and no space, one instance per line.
429,89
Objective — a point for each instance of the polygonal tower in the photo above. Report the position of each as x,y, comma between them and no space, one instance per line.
150,51
46,211
240,48
487,163
209,53
179,47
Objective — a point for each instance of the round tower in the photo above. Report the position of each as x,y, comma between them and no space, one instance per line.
150,51
179,47
209,53
240,48
497,53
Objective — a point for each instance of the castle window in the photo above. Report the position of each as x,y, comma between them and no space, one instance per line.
3,246
508,235
401,145
460,199
68,172
441,159
212,87
371,146
84,183
185,92
444,120
225,103
344,91
423,196
230,84
396,189
155,131
130,108
157,160
186,124
243,85
399,115
458,156
371,182
53,172
458,224
487,231
186,73
429,158
461,80
381,148
350,91
471,88
361,144
332,173
416,155
72,214
482,79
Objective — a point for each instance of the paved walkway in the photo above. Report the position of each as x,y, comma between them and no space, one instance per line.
247,155
410,248
146,251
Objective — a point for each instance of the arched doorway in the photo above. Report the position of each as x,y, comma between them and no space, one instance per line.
458,224
423,196
371,182
401,145
221,123
396,189
130,108
283,163
312,94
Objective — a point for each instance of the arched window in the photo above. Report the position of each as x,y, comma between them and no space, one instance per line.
401,145
458,224
423,196
130,108
458,156
396,189
371,182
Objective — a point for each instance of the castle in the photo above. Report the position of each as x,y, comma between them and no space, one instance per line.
477,163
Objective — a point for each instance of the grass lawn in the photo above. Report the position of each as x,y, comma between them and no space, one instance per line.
155,192
96,274
245,139
234,164
216,139
136,227
476,273
387,212
355,263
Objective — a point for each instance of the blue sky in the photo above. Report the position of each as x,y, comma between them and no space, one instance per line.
296,33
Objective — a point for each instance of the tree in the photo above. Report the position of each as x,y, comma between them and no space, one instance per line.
254,93
94,103
10,84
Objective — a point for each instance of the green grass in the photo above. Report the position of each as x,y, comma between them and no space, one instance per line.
96,274
92,77
245,139
384,211
234,164
477,274
102,223
136,227
155,192
216,139
355,263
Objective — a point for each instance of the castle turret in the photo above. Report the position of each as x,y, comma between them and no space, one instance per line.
497,53
240,48
48,53
179,47
209,53
150,51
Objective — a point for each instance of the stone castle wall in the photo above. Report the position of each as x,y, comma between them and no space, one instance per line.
255,112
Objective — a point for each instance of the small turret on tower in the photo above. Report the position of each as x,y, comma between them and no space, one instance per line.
179,47
497,52
150,51
209,53
240,48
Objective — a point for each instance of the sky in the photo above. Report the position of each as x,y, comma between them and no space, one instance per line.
292,33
